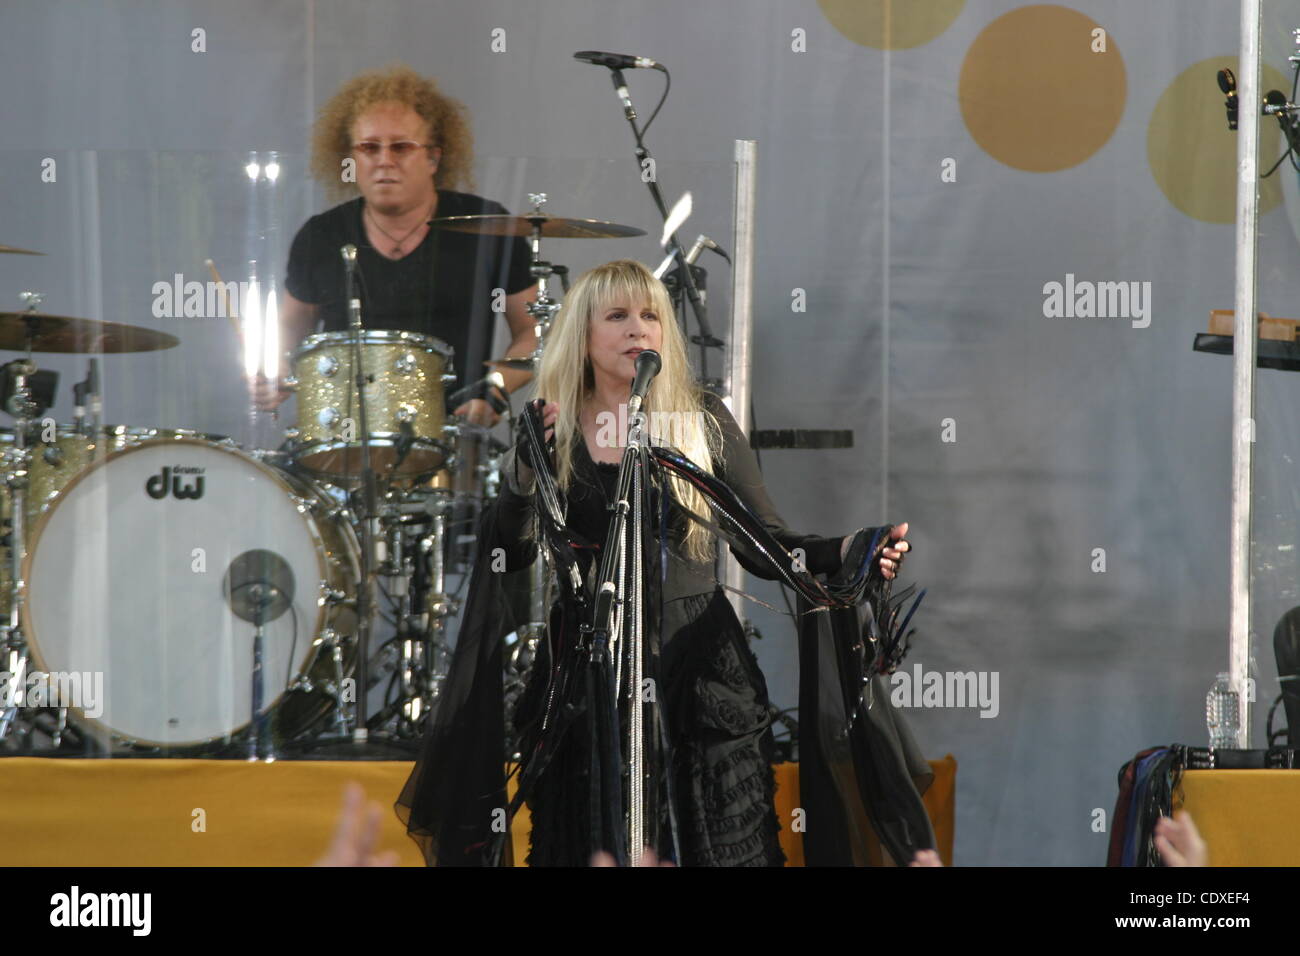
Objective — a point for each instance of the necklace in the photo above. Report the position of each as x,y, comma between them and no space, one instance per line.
397,243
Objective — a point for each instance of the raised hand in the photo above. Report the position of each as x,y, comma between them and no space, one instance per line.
357,834
892,557
1179,842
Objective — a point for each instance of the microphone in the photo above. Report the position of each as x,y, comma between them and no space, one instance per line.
350,283
701,243
617,61
1275,104
1228,84
1286,649
86,393
475,389
648,364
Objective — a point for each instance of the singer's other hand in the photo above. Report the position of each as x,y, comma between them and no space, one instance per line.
550,415
523,473
478,412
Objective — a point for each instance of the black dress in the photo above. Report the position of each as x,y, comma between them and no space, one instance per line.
714,709
714,698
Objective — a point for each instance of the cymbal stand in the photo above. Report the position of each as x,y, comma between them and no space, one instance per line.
22,407
369,506
544,308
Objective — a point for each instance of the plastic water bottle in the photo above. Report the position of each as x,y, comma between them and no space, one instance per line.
1221,713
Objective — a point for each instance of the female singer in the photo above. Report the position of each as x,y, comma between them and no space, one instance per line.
713,698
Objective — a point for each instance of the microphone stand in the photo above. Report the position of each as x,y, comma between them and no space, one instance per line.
706,339
369,505
617,634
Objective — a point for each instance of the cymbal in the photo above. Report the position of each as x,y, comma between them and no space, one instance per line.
552,226
21,252
62,333
525,364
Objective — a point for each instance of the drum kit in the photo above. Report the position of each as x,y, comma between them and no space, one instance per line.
211,594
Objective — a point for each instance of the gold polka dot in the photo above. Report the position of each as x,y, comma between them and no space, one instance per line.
1193,154
1042,88
891,24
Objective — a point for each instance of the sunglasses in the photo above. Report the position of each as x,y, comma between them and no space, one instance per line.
400,149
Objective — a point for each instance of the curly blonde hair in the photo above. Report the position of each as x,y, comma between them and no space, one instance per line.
448,121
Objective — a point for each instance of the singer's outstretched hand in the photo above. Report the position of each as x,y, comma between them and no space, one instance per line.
892,557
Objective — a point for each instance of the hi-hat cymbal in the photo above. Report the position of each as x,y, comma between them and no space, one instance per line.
21,252
525,364
63,333
552,226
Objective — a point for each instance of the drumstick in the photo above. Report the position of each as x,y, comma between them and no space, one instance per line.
231,312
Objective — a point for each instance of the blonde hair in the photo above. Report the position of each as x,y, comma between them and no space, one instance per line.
447,119
566,378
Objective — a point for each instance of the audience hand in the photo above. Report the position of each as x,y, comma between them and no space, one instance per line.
357,834
926,858
1179,842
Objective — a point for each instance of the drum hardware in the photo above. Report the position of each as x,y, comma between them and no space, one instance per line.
535,227
367,517
39,385
542,309
22,406
258,588
415,521
332,640
86,396
302,683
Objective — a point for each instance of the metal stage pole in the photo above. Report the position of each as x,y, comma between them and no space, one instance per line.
1243,362
739,358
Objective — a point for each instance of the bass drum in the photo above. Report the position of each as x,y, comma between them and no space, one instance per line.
51,461
139,571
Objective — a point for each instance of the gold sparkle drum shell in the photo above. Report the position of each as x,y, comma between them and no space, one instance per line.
405,375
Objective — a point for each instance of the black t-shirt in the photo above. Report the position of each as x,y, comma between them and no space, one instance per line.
443,287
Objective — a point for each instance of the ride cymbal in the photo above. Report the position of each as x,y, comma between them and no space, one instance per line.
551,226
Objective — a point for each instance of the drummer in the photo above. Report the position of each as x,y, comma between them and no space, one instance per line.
405,146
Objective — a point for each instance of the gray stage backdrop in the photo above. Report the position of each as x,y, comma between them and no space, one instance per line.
921,186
